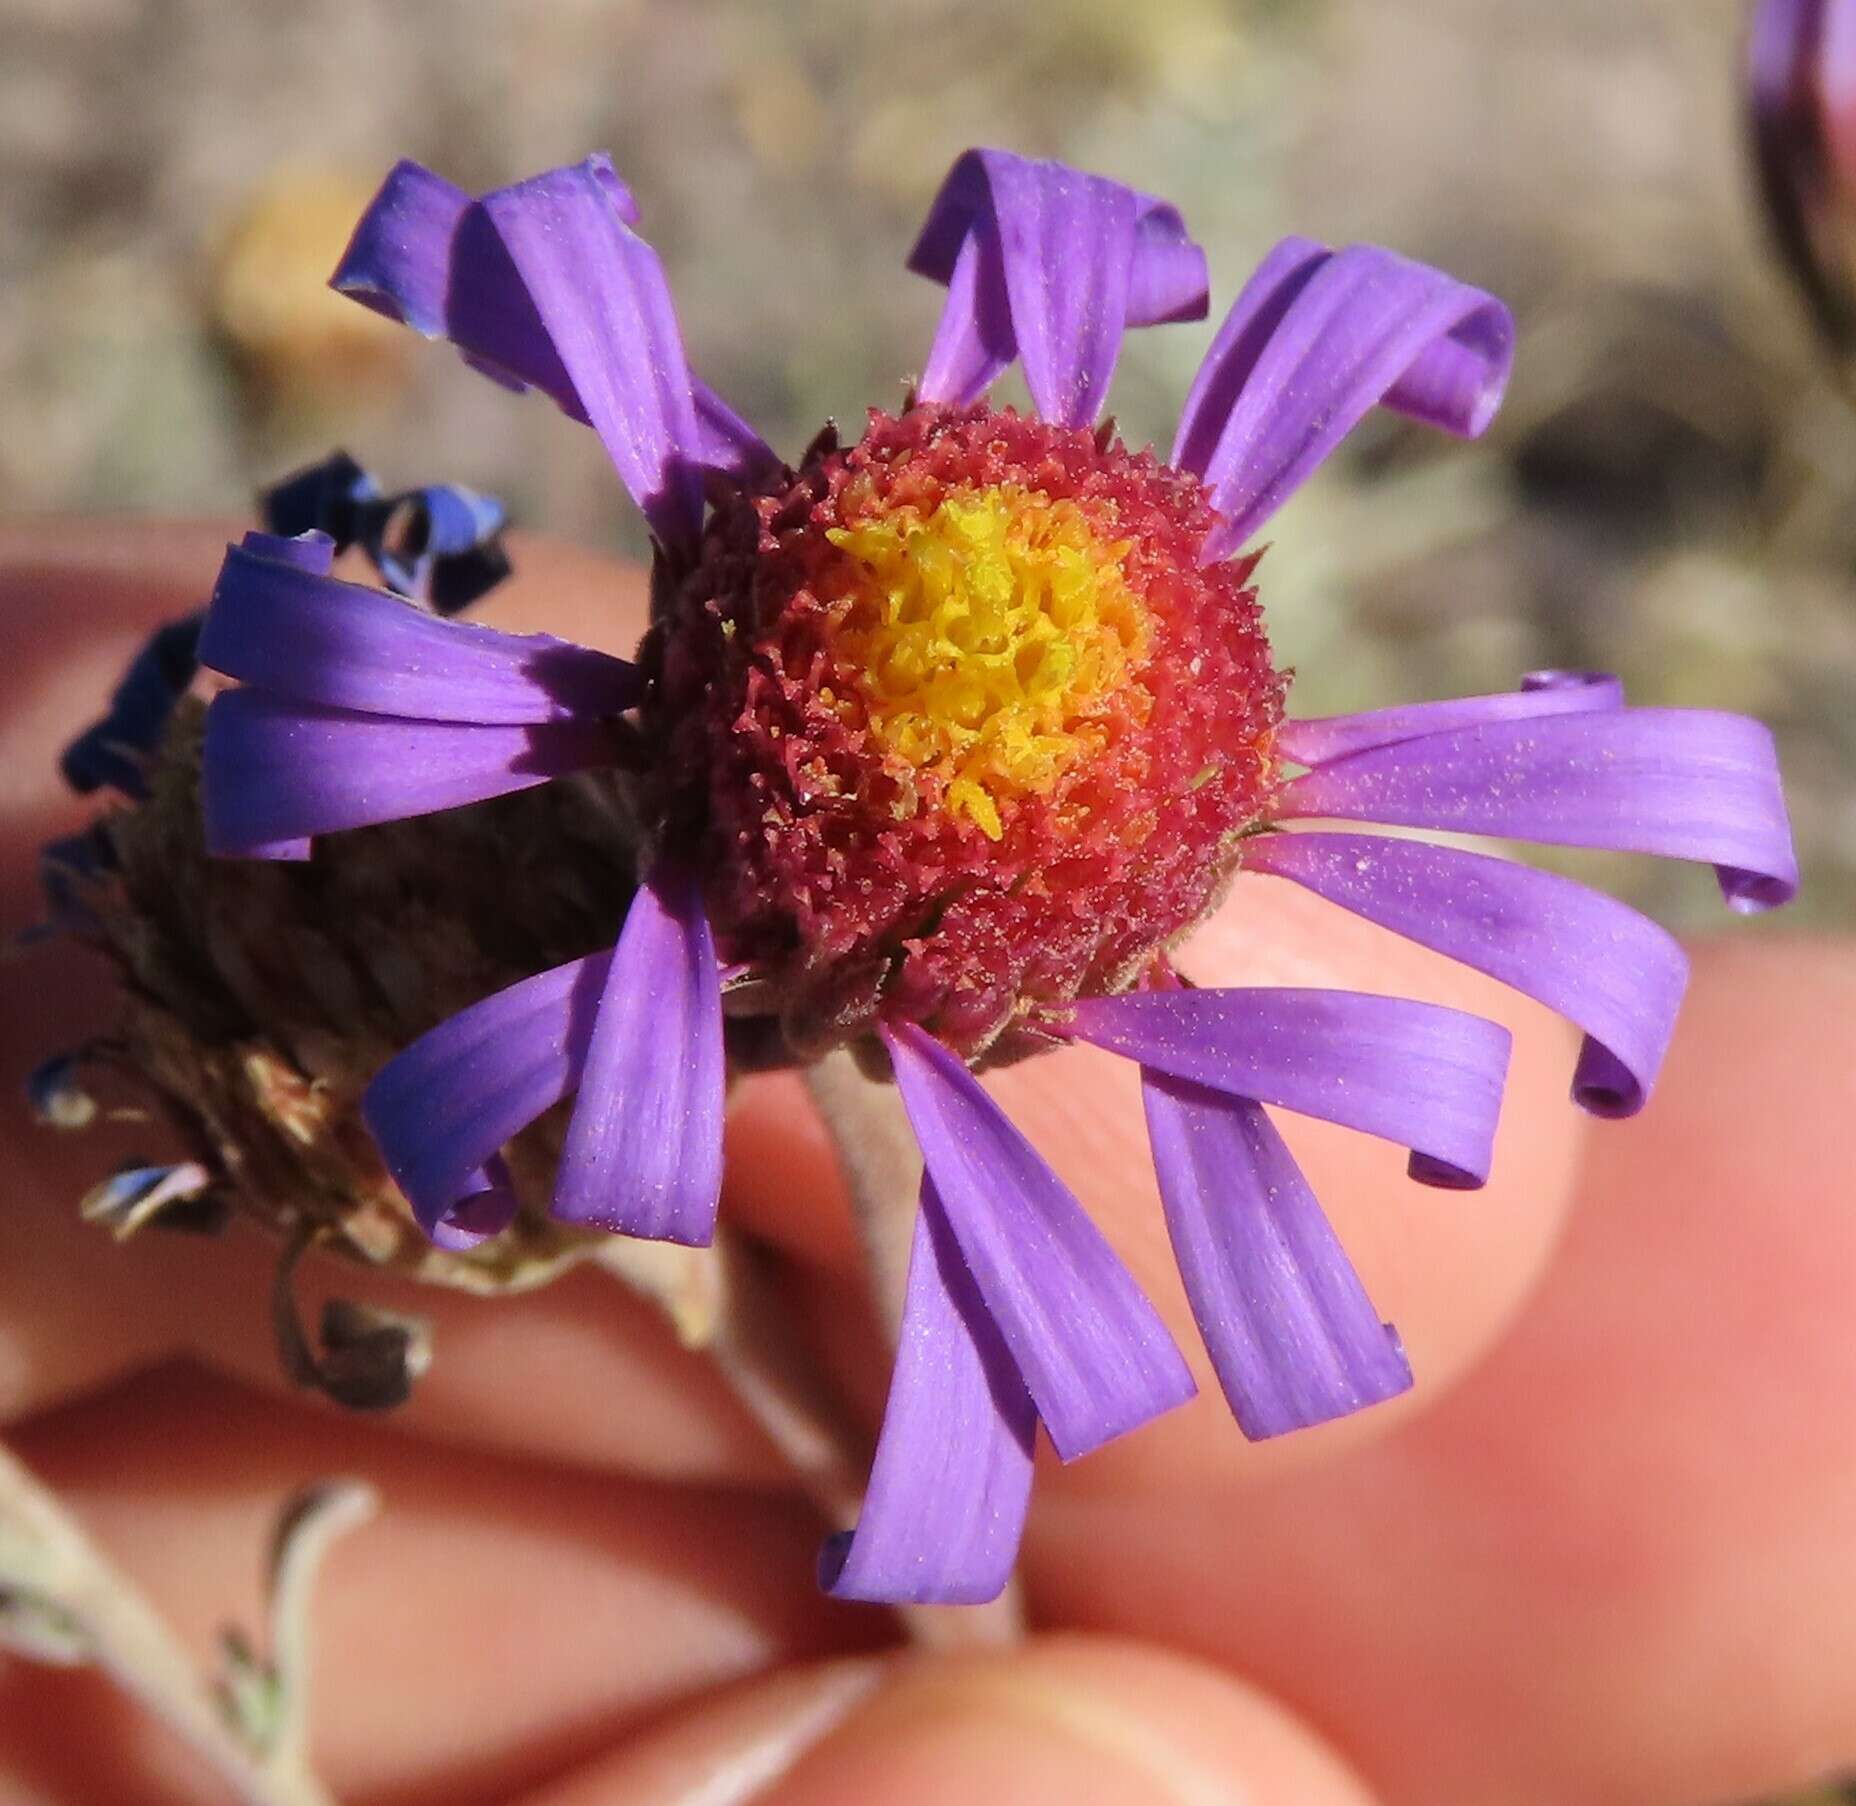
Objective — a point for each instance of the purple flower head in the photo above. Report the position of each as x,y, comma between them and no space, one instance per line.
942,742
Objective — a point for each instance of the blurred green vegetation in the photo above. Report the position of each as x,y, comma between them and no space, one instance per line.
1670,492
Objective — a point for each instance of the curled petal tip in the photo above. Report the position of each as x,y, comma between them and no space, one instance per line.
1050,265
1317,339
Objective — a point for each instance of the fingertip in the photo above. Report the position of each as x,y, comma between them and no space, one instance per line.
1073,1721
1068,1720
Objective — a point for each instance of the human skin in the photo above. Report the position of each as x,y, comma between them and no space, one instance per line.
1605,1553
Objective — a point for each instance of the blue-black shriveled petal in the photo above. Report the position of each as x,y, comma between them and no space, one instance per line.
441,544
115,751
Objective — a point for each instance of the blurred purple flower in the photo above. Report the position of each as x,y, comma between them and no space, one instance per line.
1801,67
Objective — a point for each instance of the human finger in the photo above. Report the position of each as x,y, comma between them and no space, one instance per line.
498,1619
1067,1720
1618,1562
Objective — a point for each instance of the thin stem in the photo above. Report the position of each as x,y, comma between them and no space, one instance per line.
728,1302
49,1569
882,1167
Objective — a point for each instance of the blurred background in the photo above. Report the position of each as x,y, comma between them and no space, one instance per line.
1670,491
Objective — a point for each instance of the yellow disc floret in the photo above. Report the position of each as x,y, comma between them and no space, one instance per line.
988,634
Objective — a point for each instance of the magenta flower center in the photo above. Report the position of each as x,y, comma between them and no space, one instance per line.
955,725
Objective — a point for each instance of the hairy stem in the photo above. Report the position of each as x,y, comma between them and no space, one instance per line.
61,1599
882,1167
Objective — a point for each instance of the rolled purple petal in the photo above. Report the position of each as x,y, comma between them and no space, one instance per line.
424,254
274,770
948,1491
601,296
1093,1354
312,551
643,1154
1168,280
1426,1077
1291,1332
441,1109
974,342
1315,340
1049,264
313,639
1680,783
1324,738
725,442
486,1206
1601,965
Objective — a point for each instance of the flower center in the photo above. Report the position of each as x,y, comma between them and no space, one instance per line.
990,632
956,726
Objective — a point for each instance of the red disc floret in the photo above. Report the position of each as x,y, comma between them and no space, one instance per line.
837,869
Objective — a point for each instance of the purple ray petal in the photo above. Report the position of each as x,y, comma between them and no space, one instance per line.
1415,1073
485,1207
340,645
1291,1332
1604,967
1094,1356
601,295
1167,283
644,1149
1168,280
1680,783
1314,341
274,770
312,551
1324,738
424,254
293,851
974,342
441,1109
1050,264
951,1482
